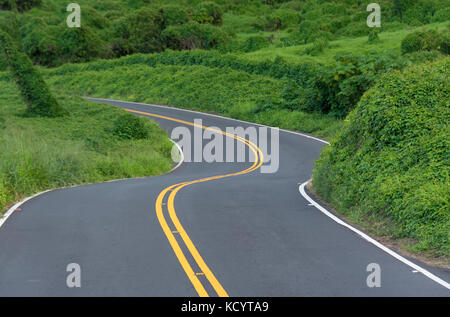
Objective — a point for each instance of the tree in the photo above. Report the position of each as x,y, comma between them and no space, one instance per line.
32,86
401,6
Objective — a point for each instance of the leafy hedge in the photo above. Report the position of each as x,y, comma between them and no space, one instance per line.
116,28
337,88
334,89
131,127
298,73
390,163
139,32
426,40
193,35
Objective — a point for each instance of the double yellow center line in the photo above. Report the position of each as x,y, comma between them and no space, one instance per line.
172,191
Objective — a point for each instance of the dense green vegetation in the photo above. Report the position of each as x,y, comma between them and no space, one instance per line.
32,87
390,163
190,80
113,28
296,64
88,145
323,76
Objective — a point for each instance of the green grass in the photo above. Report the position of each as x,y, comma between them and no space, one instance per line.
228,92
389,41
257,73
44,153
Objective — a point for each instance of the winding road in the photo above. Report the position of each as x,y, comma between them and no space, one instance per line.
204,229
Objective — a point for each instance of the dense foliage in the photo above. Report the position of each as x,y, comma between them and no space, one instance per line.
20,5
39,153
337,87
391,160
426,40
30,82
130,127
115,28
296,64
225,90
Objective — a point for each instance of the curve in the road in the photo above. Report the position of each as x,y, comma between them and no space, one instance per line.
174,189
259,236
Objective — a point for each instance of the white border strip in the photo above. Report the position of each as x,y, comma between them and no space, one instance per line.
208,114
301,188
181,154
17,205
10,211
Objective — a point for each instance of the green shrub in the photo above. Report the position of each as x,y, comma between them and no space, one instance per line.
307,31
280,19
139,32
426,40
30,82
208,12
423,56
299,74
93,18
390,161
40,42
337,88
80,44
193,35
130,127
441,15
173,15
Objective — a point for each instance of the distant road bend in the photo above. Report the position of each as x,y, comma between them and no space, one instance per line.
205,229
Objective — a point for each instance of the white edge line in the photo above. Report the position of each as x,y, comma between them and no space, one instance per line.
207,114
181,153
10,211
17,205
302,190
371,240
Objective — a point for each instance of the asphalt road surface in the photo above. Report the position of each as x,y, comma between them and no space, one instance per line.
236,232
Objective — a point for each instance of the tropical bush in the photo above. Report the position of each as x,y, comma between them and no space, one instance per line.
139,32
208,12
131,127
390,162
77,45
193,35
335,89
426,40
280,19
173,15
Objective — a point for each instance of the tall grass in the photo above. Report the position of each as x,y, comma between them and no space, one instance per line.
41,153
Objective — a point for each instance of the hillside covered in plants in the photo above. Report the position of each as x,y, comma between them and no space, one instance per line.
379,95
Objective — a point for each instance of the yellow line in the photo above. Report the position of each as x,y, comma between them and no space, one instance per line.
173,216
176,247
